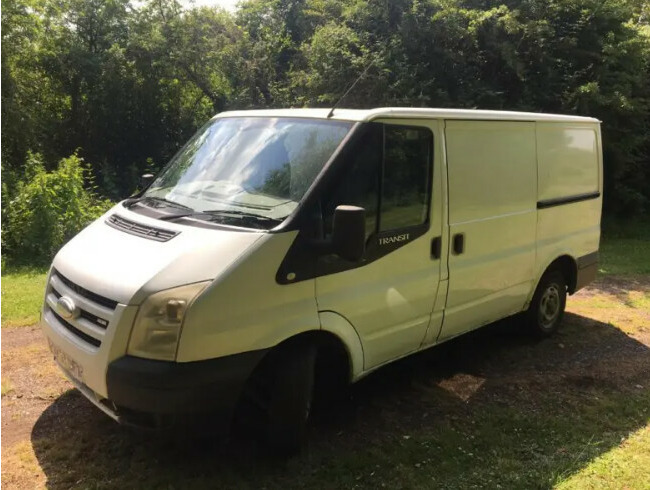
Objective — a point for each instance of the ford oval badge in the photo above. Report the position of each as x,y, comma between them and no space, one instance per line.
66,307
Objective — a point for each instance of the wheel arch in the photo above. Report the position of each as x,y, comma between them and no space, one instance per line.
332,352
568,266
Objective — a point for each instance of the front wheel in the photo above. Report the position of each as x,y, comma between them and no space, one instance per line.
547,306
291,400
277,401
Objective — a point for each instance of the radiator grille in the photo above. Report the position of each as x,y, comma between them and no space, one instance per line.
93,311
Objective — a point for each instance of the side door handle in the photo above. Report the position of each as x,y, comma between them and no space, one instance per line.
436,247
458,246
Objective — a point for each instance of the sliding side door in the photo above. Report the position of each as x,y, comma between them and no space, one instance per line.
492,221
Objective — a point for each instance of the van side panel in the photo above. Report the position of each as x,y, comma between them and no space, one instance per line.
492,174
569,191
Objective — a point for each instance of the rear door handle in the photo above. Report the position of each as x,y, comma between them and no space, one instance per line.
436,247
458,243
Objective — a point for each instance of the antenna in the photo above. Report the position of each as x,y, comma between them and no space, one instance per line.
331,112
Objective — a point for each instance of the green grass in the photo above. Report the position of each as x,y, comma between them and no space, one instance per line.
625,247
622,467
623,256
22,296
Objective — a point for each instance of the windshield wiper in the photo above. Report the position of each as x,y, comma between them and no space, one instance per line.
213,213
162,200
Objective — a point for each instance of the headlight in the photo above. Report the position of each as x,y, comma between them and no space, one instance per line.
157,326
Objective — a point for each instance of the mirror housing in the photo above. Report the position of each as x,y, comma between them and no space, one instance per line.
349,232
145,181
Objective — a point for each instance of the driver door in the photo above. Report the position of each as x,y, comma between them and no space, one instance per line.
388,297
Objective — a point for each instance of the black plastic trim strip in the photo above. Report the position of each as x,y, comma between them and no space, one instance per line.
180,387
94,319
75,331
587,270
559,201
102,300
587,260
139,229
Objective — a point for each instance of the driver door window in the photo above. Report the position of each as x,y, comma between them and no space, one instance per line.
394,163
359,185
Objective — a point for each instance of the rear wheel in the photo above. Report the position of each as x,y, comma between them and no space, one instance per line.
547,306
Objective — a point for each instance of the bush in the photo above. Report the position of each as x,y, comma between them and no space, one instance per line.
46,209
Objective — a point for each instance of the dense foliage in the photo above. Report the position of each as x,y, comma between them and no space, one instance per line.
48,208
126,83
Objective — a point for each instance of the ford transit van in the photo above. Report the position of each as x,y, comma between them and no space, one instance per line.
283,253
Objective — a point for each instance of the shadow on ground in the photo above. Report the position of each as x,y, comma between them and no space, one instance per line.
490,408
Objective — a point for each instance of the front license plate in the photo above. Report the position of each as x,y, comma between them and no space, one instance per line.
66,362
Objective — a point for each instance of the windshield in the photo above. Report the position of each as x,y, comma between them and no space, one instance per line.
247,166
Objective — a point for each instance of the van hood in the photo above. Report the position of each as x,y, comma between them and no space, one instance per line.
127,268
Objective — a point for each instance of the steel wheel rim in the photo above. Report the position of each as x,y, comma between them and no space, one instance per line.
549,306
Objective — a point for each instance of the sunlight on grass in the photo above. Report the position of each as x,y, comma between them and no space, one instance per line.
20,467
626,310
626,466
7,387
639,300
22,296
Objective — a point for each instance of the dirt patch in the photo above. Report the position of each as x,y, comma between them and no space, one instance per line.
32,379
13,337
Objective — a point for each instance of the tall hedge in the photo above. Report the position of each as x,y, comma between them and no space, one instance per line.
46,209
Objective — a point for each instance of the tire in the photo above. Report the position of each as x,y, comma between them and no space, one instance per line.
277,401
546,309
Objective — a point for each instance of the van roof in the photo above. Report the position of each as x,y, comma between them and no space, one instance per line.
409,113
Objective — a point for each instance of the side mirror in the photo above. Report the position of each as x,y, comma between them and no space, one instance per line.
145,181
349,232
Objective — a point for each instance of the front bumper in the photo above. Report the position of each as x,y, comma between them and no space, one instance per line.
160,394
174,387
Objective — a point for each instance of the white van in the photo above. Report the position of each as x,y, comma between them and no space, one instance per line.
285,252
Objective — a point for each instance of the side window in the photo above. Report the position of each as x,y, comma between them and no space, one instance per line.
406,177
359,185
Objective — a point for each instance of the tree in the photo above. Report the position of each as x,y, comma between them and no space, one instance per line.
128,83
